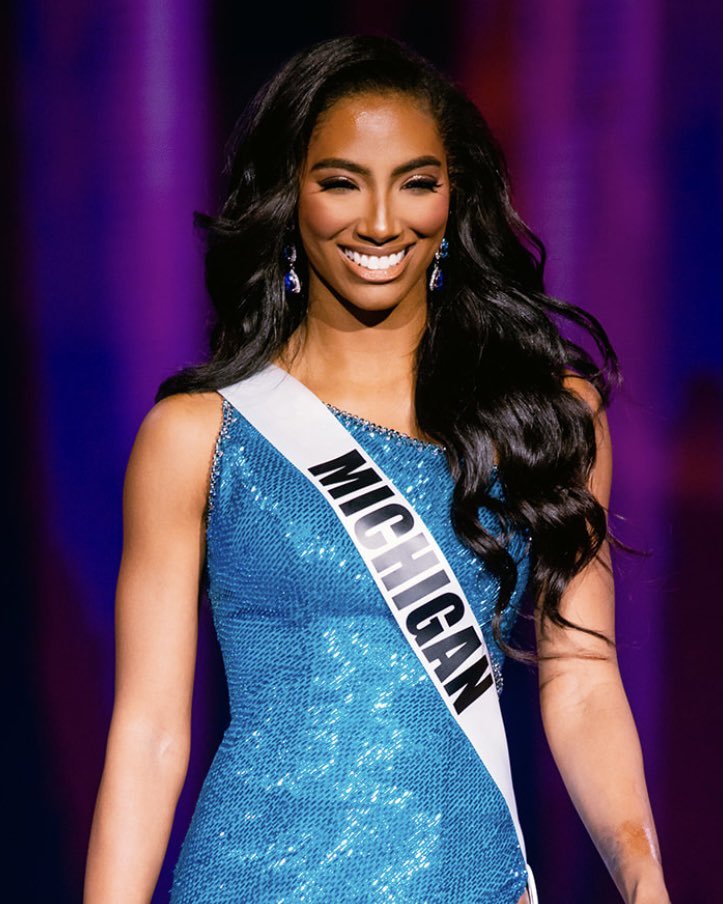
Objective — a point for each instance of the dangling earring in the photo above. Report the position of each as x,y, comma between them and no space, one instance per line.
436,280
291,277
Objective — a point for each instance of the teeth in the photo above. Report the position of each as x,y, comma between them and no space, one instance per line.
372,262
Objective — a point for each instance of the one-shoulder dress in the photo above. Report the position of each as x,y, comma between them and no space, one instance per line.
342,776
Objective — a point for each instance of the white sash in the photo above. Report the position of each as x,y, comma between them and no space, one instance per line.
408,566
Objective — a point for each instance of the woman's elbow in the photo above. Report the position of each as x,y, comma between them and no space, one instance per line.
141,743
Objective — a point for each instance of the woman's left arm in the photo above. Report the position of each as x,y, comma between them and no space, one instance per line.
586,715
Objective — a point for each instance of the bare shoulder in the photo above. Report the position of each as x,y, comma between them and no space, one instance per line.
185,416
601,476
174,446
585,390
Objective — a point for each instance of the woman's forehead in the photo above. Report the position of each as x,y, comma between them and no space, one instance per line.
370,124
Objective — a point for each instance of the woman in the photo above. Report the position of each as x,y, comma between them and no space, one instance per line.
373,286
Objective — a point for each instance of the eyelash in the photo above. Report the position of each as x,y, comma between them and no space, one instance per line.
423,184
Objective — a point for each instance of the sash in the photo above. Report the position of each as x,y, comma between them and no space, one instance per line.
405,561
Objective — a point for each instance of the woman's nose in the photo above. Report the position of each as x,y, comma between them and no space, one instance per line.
379,222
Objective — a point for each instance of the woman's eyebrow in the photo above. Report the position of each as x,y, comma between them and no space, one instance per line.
341,163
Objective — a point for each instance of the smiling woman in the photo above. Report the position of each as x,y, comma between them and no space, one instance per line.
375,187
391,440
373,205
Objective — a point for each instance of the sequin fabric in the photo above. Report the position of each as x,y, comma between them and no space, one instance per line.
341,777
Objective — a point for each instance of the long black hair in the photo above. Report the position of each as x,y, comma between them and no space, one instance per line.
491,365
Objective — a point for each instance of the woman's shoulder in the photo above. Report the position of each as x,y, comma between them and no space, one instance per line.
584,389
185,420
601,475
185,411
176,439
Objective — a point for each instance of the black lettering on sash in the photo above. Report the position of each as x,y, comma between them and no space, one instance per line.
423,622
452,651
473,682
343,477
352,506
407,564
421,589
399,519
342,472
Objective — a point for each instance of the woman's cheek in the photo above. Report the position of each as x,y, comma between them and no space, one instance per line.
321,216
430,218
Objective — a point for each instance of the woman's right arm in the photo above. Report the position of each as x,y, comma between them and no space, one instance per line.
156,621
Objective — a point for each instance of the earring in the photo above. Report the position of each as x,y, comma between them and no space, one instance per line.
292,282
436,280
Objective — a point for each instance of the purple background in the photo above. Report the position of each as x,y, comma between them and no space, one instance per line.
114,120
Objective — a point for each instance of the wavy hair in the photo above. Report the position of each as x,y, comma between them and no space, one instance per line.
491,364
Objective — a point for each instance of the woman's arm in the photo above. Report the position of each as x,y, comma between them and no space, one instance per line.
586,715
148,745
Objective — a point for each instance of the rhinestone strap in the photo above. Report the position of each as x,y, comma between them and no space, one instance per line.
229,415
385,431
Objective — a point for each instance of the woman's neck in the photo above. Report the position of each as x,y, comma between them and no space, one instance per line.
367,370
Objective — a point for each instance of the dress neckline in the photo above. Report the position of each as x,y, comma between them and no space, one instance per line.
386,431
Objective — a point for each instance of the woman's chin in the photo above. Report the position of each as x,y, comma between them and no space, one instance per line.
376,298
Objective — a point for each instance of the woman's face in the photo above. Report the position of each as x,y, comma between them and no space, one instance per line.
374,200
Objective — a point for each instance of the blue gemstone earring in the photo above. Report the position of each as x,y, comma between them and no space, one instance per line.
291,278
436,280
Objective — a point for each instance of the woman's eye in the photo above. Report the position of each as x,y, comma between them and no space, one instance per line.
424,184
330,184
345,185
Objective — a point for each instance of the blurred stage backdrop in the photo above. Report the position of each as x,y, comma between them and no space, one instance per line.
114,123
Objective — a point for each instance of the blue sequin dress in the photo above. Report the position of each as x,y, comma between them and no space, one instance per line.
341,777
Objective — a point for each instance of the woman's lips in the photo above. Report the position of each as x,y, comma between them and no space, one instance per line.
375,276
